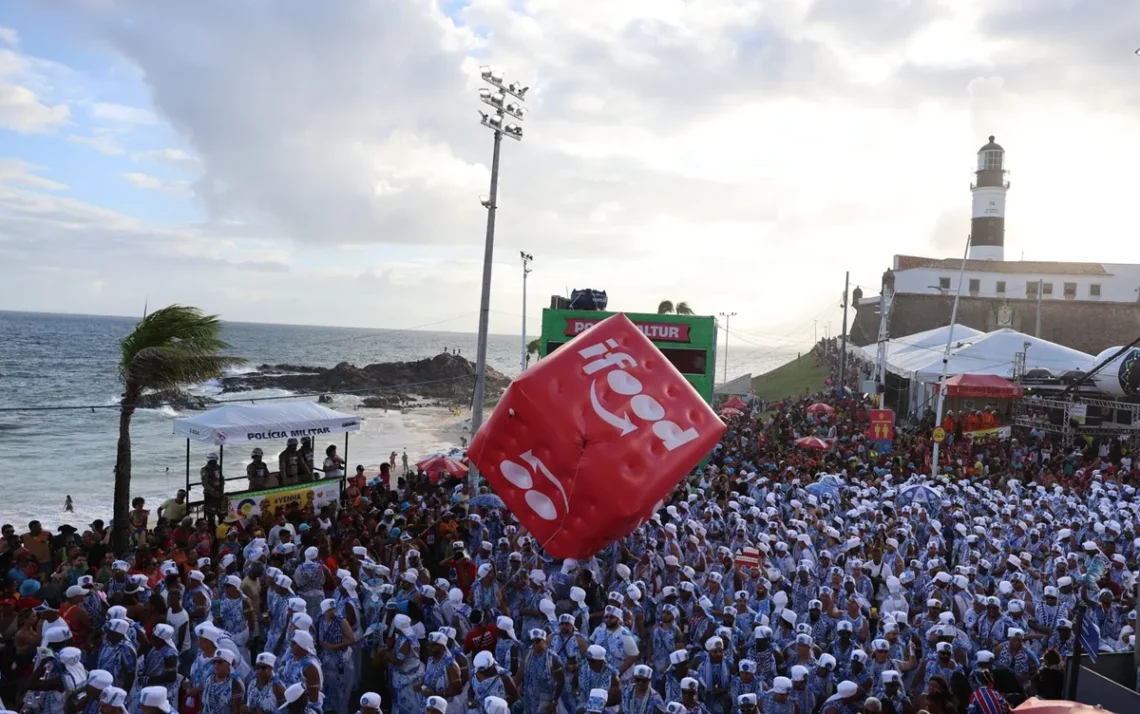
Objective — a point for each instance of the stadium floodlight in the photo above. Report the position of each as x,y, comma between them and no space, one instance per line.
498,101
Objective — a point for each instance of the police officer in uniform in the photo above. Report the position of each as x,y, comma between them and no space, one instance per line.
306,473
213,490
289,464
258,473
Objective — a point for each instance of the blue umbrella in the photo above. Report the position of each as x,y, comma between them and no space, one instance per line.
919,495
487,500
823,490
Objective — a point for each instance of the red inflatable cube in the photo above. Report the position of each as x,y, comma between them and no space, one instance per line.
585,445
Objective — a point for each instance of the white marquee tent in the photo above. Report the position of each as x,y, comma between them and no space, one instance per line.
919,357
275,421
257,423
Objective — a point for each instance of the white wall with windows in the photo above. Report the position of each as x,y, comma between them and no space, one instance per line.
1120,284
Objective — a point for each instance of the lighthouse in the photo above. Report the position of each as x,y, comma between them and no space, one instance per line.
987,224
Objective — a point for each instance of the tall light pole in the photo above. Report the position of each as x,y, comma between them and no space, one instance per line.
526,259
506,101
727,316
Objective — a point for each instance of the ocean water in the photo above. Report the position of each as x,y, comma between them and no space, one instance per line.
52,360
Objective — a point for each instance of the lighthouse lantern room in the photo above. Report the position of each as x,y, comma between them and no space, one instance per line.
987,224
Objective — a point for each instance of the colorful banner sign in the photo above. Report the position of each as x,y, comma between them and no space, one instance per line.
882,425
881,431
655,331
311,496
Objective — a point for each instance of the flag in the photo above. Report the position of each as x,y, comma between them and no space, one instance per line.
1090,636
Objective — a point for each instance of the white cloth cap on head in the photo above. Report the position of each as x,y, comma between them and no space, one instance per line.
372,700
311,553
154,697
847,688
117,625
484,660
294,692
224,655
76,591
678,656
266,658
403,623
781,685
114,697
233,581
484,570
596,652
985,656
100,679
436,703
197,575
689,683
304,640
328,604
228,559
496,705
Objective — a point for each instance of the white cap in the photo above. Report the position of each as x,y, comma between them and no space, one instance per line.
371,700
304,640
596,652
224,655
781,685
154,697
484,660
294,692
437,703
114,697
100,679
266,658
847,688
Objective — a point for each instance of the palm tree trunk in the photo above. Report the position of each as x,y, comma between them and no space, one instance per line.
121,531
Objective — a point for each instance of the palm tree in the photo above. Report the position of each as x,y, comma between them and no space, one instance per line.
169,348
666,307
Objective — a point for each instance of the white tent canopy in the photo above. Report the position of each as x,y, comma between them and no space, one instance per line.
919,357
277,421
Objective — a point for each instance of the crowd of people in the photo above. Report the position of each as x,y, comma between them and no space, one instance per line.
763,586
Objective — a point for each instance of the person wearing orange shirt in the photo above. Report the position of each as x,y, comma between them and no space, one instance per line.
973,422
989,420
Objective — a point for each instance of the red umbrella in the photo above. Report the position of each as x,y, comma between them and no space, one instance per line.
730,412
813,442
438,465
821,408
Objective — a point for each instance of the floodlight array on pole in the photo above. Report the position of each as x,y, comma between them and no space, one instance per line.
507,110
526,261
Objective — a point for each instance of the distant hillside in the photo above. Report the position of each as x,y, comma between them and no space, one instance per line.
791,379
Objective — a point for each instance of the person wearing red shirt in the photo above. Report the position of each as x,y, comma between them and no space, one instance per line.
482,637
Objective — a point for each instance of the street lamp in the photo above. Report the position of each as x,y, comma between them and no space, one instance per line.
505,101
727,316
526,260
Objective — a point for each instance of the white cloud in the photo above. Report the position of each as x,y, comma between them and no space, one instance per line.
122,113
19,172
148,182
21,109
731,153
101,140
174,157
9,37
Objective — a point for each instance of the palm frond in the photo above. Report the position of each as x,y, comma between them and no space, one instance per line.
174,325
683,308
174,366
664,307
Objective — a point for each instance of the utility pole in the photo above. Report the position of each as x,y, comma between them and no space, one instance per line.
727,316
886,299
1040,291
946,359
526,259
500,100
843,341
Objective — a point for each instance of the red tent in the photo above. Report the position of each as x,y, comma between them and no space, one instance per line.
821,408
436,466
982,385
735,403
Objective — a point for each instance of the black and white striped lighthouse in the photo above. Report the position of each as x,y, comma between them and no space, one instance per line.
987,225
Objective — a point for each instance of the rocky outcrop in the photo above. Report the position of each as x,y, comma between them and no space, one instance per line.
445,379
176,399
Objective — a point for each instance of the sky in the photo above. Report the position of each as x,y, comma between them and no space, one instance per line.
322,163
